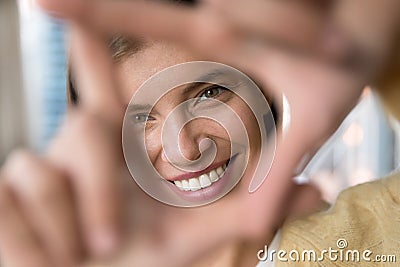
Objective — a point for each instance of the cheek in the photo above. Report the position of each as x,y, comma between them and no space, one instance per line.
249,121
153,144
208,127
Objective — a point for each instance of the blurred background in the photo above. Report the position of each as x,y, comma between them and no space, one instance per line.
33,101
32,76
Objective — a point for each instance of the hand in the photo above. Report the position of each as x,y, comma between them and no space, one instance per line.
48,201
319,94
357,41
72,205
272,68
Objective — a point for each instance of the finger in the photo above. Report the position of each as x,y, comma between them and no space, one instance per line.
306,199
294,23
92,69
95,176
94,171
62,9
198,29
47,204
118,16
321,100
277,189
19,245
208,28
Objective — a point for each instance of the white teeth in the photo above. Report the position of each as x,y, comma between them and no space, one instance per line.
205,180
194,184
220,171
214,176
185,185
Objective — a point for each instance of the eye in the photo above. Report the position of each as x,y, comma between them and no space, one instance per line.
211,92
143,117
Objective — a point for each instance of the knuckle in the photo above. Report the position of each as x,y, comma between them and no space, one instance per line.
210,32
20,160
31,178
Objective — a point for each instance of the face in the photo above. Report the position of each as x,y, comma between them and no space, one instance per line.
172,161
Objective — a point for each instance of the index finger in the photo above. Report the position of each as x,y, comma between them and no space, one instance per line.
89,146
211,25
92,70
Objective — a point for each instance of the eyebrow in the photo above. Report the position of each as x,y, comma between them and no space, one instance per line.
201,80
140,107
204,79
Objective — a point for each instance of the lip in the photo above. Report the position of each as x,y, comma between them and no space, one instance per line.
189,175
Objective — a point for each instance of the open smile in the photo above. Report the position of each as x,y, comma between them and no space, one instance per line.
208,184
199,180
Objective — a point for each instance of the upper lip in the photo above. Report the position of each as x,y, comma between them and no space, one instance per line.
189,175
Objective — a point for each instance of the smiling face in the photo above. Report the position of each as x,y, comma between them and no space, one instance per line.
173,160
212,128
183,164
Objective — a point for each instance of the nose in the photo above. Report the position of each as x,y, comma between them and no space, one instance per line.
187,146
182,143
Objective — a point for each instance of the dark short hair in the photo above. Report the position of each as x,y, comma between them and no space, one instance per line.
120,47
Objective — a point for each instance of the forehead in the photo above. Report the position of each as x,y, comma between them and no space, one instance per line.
133,71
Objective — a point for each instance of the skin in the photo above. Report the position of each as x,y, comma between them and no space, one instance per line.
319,94
134,70
131,73
83,233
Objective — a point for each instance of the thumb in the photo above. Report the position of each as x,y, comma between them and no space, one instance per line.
92,69
306,199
